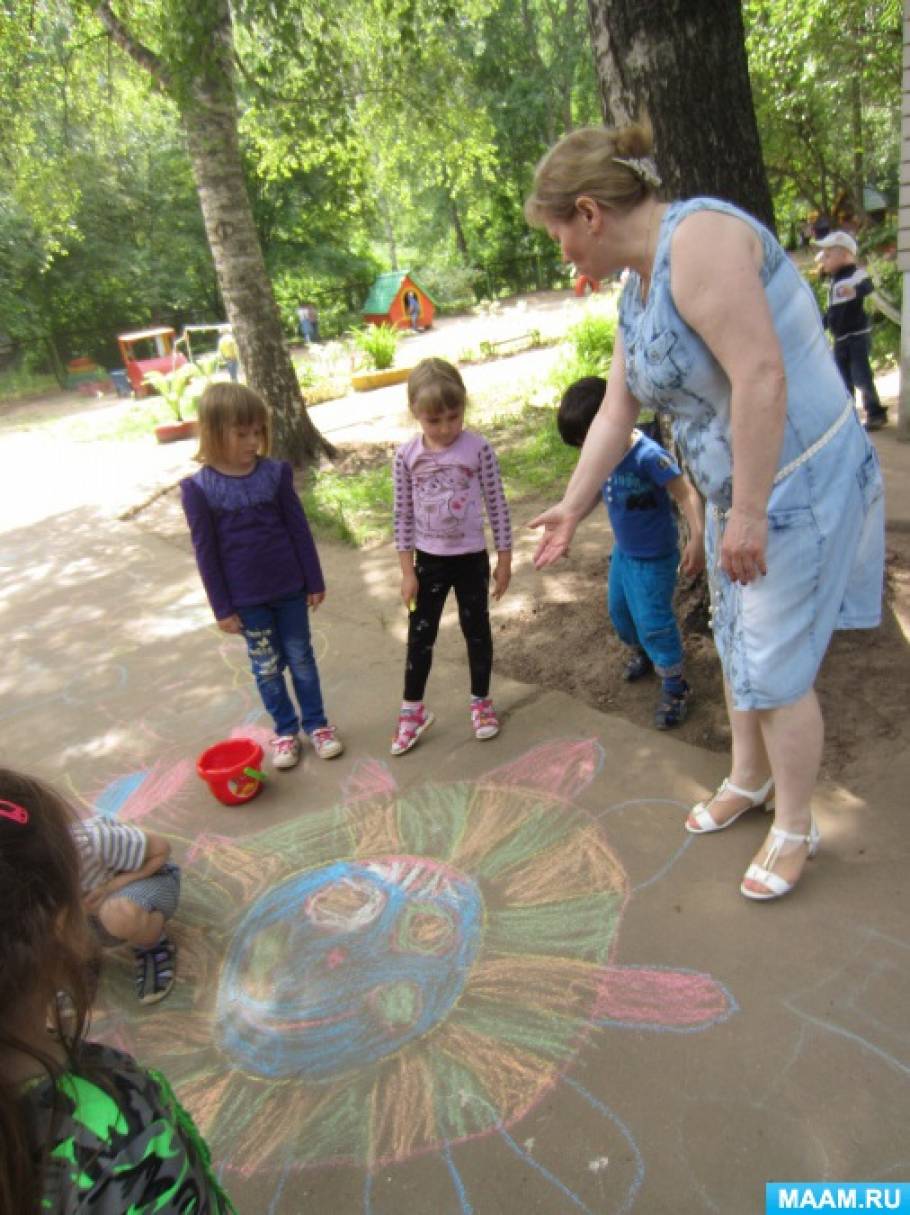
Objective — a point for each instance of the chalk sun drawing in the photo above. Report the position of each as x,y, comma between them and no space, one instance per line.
405,972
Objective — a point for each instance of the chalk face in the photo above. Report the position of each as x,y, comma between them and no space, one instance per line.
343,965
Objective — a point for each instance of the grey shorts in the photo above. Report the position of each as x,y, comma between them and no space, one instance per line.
158,892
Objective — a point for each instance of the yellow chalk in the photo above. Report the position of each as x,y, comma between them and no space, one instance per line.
412,605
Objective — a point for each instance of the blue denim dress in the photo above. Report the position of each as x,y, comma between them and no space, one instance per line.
825,552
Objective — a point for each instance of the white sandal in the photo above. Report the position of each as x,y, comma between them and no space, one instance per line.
705,820
778,886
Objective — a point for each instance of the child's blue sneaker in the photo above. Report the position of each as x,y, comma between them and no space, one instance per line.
637,667
672,708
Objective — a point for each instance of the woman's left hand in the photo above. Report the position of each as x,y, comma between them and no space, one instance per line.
742,551
558,529
314,600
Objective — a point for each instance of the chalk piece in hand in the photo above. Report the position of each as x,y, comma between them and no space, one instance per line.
412,605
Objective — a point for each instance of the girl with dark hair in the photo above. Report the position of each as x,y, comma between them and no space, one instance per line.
82,1126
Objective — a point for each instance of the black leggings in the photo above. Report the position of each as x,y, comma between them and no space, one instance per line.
469,575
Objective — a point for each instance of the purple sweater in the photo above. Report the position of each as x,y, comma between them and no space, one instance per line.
440,496
252,540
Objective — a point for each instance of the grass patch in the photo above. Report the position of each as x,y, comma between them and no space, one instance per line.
355,507
16,384
129,421
532,457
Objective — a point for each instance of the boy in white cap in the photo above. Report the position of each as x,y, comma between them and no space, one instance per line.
846,319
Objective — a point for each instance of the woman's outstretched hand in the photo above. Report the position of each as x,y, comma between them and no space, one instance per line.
558,529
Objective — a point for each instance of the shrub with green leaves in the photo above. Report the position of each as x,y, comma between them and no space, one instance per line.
591,340
173,388
451,287
378,344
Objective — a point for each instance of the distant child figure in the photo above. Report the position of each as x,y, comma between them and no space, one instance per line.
443,477
846,319
308,319
645,557
130,890
85,1128
258,562
228,353
412,304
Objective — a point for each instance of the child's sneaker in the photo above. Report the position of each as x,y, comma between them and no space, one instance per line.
326,742
285,751
637,667
155,971
411,724
672,709
484,719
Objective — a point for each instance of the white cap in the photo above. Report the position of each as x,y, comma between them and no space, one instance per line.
837,240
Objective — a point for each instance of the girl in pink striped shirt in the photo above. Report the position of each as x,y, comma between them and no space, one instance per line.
444,477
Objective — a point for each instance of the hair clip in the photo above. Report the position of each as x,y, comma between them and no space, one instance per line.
643,167
14,812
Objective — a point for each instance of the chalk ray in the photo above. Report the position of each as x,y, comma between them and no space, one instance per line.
563,768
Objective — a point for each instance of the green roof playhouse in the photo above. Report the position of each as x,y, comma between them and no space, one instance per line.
391,302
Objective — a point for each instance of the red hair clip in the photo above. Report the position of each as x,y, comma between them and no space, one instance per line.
12,811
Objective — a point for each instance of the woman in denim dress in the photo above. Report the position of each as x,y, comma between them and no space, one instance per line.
718,329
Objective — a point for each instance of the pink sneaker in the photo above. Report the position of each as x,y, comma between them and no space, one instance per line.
326,742
411,724
484,719
285,751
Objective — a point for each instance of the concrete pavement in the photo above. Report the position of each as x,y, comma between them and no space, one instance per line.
484,977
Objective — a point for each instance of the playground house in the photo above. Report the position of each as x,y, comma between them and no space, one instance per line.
387,302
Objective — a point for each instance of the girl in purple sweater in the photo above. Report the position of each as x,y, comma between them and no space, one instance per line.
443,479
258,562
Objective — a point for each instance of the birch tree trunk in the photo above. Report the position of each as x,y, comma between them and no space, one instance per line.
684,62
202,86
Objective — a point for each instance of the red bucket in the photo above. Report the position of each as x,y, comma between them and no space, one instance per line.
231,770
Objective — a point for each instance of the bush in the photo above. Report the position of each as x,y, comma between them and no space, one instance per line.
451,287
378,343
174,388
593,339
591,353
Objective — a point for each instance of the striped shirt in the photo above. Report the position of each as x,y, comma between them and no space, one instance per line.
106,849
440,497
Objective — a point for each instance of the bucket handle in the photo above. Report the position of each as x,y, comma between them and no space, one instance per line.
254,774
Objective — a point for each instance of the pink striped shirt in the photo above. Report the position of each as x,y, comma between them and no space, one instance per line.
440,496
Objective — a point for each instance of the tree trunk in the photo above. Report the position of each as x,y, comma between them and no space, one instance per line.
202,87
684,62
211,133
856,133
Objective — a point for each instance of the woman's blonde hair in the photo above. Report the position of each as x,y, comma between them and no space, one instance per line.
588,161
435,386
223,406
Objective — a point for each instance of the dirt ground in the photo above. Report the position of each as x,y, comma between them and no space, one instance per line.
862,686
865,674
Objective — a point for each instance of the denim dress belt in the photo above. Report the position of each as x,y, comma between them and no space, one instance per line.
813,449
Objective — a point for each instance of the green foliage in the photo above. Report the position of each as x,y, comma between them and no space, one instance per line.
173,388
824,94
532,457
353,507
378,343
452,287
17,382
356,507
591,341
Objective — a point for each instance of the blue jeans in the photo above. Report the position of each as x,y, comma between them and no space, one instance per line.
640,601
278,638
